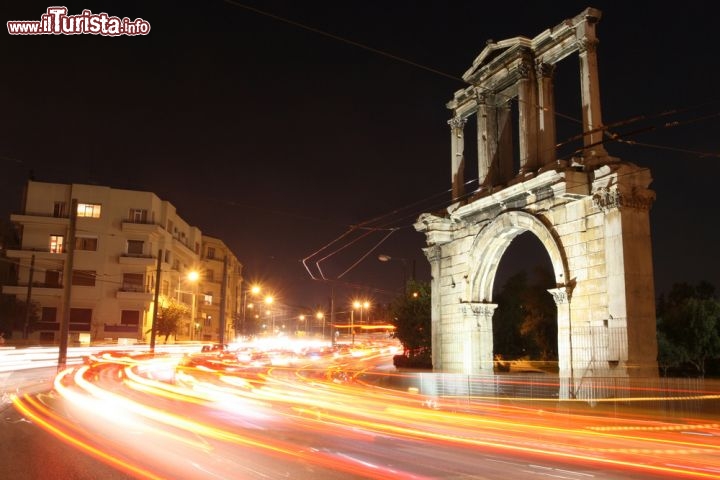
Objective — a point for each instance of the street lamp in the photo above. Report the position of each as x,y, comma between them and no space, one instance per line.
364,305
359,305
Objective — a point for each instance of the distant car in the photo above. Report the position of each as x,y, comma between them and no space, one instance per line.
215,347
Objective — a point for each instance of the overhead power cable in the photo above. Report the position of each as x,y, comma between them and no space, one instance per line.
383,53
342,39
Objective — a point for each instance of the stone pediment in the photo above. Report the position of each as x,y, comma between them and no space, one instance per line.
496,53
550,47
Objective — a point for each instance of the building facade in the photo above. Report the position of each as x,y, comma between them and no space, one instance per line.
220,305
121,240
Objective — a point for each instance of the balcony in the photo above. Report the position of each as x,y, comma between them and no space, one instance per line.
135,293
129,226
40,254
120,328
38,289
39,218
134,259
79,327
183,244
51,326
55,327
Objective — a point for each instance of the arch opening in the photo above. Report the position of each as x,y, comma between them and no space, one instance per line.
524,325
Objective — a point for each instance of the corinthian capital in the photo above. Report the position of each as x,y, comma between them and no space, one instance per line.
457,123
524,69
587,45
561,295
546,70
480,309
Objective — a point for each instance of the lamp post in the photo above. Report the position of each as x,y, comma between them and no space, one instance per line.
268,301
352,325
301,318
255,289
321,316
364,306
192,276
359,305
387,258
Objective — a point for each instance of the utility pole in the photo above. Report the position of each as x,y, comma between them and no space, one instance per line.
28,298
67,288
156,303
223,297
332,314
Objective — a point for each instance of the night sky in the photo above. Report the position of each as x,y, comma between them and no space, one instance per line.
317,129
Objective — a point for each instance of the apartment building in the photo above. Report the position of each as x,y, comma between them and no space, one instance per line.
221,281
118,237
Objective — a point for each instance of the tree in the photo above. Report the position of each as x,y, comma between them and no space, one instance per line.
7,308
688,326
410,314
168,319
525,322
14,313
539,325
508,318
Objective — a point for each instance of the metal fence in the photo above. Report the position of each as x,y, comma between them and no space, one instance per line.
668,397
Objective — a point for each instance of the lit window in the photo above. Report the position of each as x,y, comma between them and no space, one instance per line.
89,210
56,243
207,298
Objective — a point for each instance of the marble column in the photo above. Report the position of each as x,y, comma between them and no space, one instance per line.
457,152
546,114
590,89
527,107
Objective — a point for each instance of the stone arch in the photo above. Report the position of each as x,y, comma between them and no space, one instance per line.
492,241
591,213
